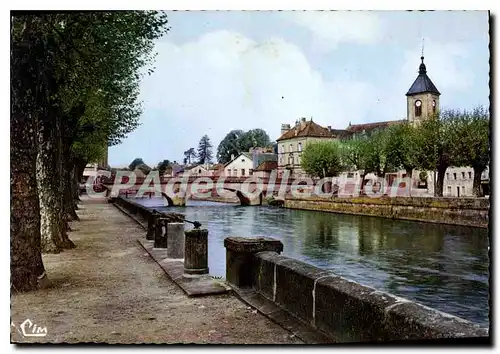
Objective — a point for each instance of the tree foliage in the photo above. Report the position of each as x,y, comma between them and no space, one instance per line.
322,159
162,166
238,141
435,146
375,154
401,147
84,95
471,147
449,138
205,150
252,139
135,162
189,155
352,153
143,168
229,146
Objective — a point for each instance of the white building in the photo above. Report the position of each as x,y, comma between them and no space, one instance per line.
240,166
458,182
198,171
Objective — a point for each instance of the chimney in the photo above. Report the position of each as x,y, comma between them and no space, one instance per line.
329,128
232,157
302,122
284,128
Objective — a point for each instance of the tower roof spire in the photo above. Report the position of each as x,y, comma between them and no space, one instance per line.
422,83
422,69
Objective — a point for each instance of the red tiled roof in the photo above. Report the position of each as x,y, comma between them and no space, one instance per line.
306,129
359,128
267,166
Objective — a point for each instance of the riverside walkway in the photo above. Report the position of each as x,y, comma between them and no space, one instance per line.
109,290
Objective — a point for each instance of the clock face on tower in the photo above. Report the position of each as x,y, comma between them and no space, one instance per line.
418,103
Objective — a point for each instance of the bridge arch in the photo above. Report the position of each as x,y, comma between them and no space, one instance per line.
169,200
244,200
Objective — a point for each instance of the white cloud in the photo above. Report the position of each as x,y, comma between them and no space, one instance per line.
226,81
330,28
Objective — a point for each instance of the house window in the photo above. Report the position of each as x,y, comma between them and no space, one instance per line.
463,190
242,171
463,175
290,159
250,172
235,172
199,171
283,149
449,190
299,147
455,176
291,147
470,175
418,108
350,175
229,172
433,106
242,160
298,160
447,176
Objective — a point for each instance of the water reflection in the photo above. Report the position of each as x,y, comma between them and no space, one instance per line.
445,267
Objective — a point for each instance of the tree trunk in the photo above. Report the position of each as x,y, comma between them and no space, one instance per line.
362,188
476,185
79,169
48,160
75,182
25,250
69,204
26,265
438,187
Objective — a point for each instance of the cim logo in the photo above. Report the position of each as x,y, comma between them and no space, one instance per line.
30,329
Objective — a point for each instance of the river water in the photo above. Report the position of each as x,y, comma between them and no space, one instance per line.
440,266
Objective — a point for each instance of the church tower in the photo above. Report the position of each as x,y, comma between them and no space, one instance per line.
422,97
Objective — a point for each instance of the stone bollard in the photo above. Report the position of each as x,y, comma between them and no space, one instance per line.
196,251
150,235
160,238
175,240
239,258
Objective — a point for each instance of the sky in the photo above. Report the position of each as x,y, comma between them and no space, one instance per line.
222,70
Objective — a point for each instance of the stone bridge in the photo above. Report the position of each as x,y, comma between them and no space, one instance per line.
176,190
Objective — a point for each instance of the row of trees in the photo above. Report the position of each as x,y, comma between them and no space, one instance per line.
74,88
138,163
450,138
235,142
204,155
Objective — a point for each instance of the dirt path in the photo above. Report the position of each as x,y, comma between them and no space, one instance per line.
109,290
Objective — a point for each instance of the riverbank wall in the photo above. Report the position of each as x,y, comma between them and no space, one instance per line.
229,200
453,211
341,309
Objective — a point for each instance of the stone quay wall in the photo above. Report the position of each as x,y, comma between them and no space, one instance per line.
141,213
455,211
344,310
